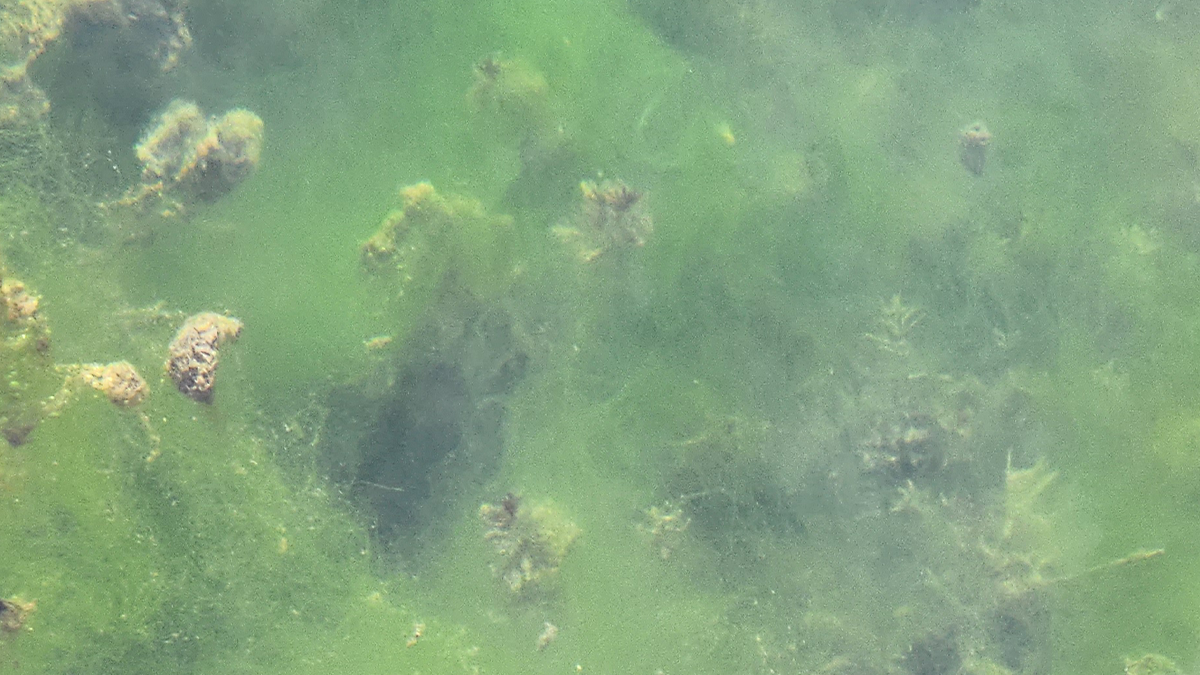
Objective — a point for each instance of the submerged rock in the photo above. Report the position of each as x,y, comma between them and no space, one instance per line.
195,353
195,157
143,36
119,381
154,31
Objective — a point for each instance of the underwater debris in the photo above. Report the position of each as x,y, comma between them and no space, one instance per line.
973,143
201,157
611,215
195,353
378,343
119,381
13,614
530,541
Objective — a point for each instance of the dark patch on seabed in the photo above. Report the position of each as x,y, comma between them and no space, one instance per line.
437,423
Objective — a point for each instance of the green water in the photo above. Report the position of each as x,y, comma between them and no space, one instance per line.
824,276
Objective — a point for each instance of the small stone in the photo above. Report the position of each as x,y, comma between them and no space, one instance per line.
195,353
119,381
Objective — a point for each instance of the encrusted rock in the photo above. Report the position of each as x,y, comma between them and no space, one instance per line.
119,381
153,30
195,353
225,156
186,154
19,303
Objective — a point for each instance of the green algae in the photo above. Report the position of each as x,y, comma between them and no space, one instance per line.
691,371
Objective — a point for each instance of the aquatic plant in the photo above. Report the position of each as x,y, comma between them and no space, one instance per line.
198,159
530,542
435,241
25,357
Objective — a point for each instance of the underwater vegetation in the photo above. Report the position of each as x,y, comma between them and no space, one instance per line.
698,337
611,215
199,158
530,543
27,365
434,239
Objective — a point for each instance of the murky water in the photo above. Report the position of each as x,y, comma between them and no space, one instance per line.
734,336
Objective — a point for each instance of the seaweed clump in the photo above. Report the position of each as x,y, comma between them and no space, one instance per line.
200,158
195,353
25,355
530,542
512,88
611,215
433,238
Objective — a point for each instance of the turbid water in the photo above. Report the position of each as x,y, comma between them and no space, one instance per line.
648,337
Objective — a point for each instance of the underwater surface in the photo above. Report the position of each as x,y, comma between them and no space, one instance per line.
672,337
